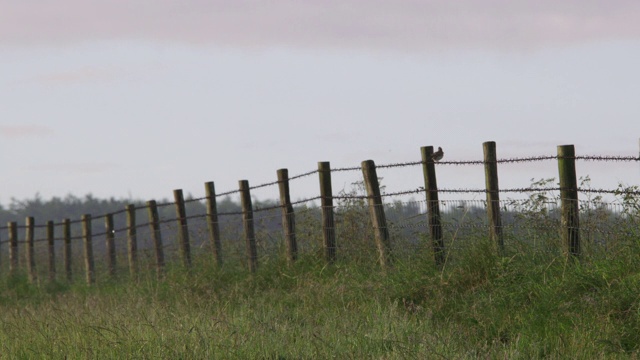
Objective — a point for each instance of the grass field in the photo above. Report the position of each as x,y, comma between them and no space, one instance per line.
527,304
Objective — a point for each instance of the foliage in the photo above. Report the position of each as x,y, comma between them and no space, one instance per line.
529,303
518,306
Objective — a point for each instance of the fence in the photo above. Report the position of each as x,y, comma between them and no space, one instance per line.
363,223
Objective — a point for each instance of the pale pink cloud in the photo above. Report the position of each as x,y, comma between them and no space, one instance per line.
86,74
23,131
83,168
371,24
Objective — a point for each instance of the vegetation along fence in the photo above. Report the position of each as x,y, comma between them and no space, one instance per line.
361,223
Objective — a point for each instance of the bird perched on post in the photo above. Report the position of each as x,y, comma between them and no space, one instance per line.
437,156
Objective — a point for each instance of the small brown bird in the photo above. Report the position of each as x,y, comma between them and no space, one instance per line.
437,156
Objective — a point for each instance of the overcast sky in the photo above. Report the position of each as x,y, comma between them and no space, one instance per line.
137,98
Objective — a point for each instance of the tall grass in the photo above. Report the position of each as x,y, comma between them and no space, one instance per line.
531,302
524,305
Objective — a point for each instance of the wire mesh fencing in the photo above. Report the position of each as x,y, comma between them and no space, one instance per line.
361,223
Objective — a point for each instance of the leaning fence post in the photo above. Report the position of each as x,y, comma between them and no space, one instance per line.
183,230
132,240
247,220
288,215
52,247
569,198
66,250
493,194
376,209
31,260
326,203
13,247
433,204
88,249
212,222
154,223
110,245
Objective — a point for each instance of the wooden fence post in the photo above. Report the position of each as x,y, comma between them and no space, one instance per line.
326,203
569,198
183,230
288,215
376,210
52,250
13,247
247,220
433,204
154,224
132,240
212,222
88,249
110,245
31,259
493,194
66,250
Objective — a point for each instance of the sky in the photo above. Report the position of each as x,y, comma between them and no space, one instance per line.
132,99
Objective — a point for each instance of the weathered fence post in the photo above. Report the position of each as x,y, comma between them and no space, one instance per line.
154,224
183,229
212,222
326,203
493,194
247,220
13,247
433,204
110,245
52,250
376,210
288,215
569,198
66,250
88,249
31,259
132,240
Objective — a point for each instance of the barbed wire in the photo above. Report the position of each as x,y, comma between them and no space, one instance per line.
419,190
267,208
508,160
303,175
228,193
608,191
353,168
198,199
403,164
297,202
264,185
229,213
606,158
121,211
199,216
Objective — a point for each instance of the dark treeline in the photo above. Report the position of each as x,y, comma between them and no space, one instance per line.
409,216
73,207
57,208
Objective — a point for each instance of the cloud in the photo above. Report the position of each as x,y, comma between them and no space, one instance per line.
401,25
23,131
79,168
80,75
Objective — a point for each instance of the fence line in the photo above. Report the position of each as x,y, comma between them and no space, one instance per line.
328,218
